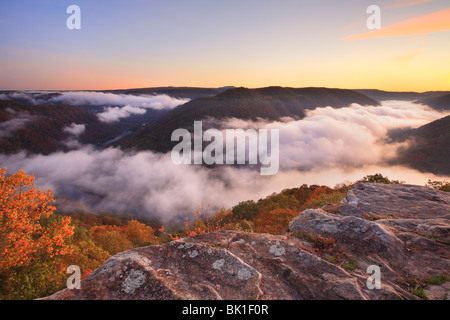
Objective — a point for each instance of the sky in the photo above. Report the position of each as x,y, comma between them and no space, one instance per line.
205,43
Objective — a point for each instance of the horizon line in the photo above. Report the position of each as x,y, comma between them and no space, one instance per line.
230,87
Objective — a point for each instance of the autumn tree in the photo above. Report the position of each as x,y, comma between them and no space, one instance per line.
86,253
274,221
33,241
140,234
113,241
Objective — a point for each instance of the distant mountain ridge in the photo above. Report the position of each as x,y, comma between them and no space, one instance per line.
40,128
271,103
176,92
440,103
430,150
381,95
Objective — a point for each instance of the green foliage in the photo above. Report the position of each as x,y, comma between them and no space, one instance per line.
350,265
279,201
273,213
437,279
379,178
113,241
420,292
439,185
245,210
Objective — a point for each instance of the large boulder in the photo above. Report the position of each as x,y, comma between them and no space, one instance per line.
225,265
403,229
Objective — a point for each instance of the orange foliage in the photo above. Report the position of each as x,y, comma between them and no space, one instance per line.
139,234
274,221
34,242
222,220
26,231
115,239
314,195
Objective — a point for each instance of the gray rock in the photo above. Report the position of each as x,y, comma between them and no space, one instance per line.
401,229
280,269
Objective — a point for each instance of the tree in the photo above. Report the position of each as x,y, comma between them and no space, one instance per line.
86,253
32,240
139,234
245,210
279,201
274,221
379,178
111,239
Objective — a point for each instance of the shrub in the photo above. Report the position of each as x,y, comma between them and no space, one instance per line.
437,279
379,178
112,241
275,221
439,185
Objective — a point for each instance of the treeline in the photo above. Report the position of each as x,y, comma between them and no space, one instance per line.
269,215
273,213
42,130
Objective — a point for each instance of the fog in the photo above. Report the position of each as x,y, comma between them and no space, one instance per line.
114,114
115,106
327,147
96,98
8,127
82,98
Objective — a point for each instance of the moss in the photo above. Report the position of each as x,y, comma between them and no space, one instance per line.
437,279
420,292
350,265
333,259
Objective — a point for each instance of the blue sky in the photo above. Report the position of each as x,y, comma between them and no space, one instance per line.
139,43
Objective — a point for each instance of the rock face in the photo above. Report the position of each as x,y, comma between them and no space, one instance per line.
402,229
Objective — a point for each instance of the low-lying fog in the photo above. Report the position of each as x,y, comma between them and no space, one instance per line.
327,147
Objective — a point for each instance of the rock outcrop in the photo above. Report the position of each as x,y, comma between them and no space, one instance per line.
402,229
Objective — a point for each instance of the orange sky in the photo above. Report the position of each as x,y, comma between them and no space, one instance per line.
426,24
210,44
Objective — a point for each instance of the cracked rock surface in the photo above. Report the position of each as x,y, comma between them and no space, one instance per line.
402,229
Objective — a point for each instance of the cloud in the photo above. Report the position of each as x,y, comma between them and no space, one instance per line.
23,96
75,129
329,146
94,98
426,24
150,185
8,127
346,137
82,98
407,57
114,114
406,3
117,106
